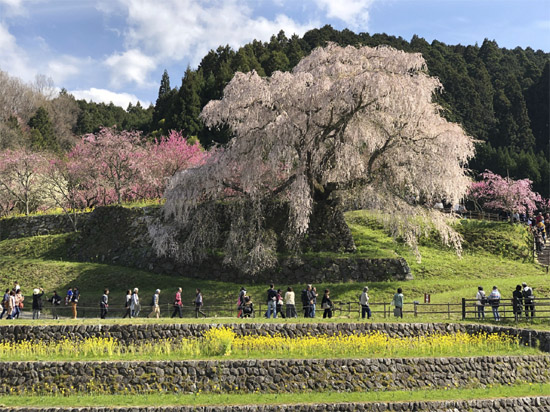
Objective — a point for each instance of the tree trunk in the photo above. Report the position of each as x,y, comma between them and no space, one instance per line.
328,230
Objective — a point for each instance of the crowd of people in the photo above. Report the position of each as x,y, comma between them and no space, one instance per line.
540,227
277,304
522,298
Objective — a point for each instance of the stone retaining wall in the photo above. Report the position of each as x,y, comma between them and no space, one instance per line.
28,226
271,376
128,333
525,404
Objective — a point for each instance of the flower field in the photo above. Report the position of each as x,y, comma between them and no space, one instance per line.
223,342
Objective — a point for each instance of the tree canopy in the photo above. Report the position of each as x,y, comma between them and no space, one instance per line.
347,122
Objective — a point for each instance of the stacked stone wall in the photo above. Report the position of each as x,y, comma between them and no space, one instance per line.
531,404
271,376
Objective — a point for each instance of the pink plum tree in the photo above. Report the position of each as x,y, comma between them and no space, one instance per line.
505,194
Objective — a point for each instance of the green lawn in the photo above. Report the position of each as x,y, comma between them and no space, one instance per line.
199,399
41,261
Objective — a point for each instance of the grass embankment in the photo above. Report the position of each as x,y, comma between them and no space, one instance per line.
199,399
494,254
221,343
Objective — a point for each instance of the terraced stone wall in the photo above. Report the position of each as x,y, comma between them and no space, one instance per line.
28,226
271,376
533,404
135,333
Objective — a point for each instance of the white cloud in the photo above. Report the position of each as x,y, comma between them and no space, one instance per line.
12,7
13,59
130,66
188,29
107,96
355,13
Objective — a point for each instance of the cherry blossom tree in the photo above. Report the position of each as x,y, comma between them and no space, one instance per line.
346,123
503,193
21,179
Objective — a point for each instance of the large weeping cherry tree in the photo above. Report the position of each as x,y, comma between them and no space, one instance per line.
353,125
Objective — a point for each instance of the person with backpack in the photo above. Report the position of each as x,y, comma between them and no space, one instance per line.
74,301
528,300
55,300
5,303
155,307
104,304
198,303
178,304
517,302
364,301
494,301
271,302
481,301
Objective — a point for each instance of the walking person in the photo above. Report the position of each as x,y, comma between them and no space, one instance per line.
37,302
12,305
104,304
271,302
290,303
280,304
494,301
178,304
74,301
326,304
364,301
528,300
127,303
55,300
5,304
517,302
312,297
135,306
397,301
481,301
305,301
155,306
19,299
198,303
240,302
69,296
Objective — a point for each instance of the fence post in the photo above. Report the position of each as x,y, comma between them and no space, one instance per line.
384,310
463,308
415,308
449,310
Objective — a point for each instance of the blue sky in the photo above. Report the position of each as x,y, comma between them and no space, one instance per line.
116,50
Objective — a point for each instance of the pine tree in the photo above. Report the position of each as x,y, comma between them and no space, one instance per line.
42,132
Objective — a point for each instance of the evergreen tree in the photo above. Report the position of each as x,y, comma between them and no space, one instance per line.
42,132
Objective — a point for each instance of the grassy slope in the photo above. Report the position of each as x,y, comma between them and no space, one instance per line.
41,261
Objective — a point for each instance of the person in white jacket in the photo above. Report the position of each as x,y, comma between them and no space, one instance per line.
481,301
364,301
135,307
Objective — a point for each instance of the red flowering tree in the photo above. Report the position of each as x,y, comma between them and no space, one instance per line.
503,193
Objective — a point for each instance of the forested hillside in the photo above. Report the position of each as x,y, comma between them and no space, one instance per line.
500,96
